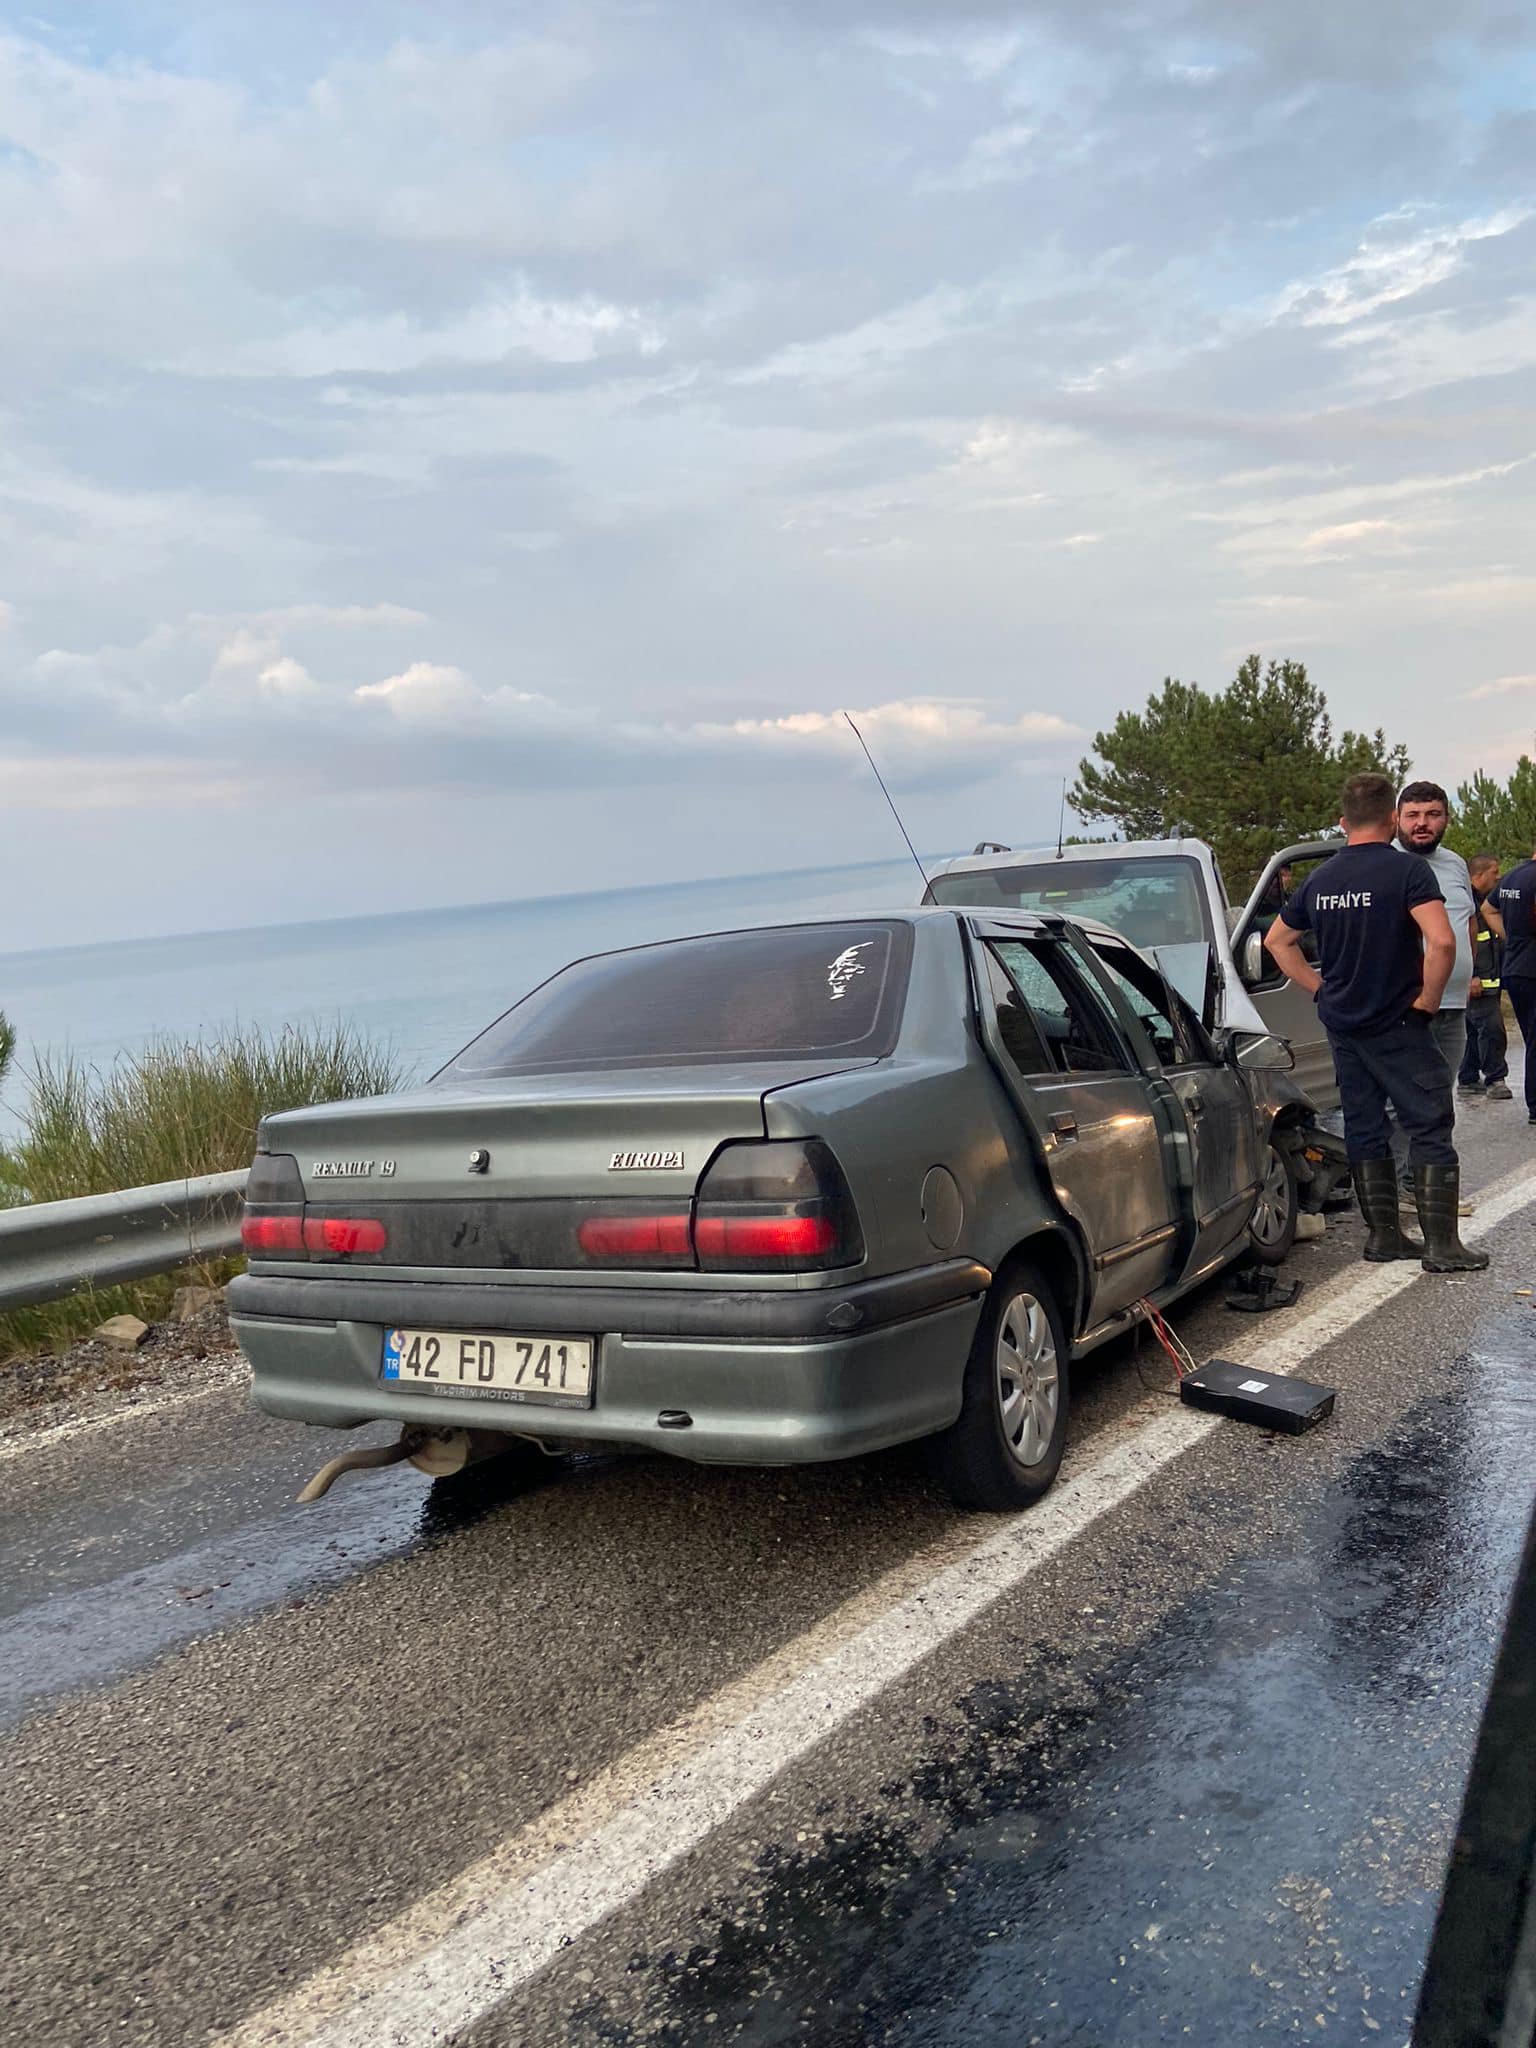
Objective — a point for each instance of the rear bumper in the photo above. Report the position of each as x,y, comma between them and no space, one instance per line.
764,1377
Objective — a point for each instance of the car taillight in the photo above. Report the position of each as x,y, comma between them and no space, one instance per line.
637,1236
340,1236
273,1237
781,1206
728,1240
272,1226
275,1224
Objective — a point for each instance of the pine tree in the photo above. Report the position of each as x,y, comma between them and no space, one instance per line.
1496,817
1247,768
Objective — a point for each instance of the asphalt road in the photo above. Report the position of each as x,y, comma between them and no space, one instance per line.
636,1751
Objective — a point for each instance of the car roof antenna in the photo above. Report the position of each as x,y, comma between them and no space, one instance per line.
1061,818
869,757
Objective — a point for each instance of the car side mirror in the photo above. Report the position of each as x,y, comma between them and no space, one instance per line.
1253,965
1259,1052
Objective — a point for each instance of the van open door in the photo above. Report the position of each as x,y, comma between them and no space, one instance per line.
1286,1010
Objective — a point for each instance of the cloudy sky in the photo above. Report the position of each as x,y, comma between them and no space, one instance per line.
459,452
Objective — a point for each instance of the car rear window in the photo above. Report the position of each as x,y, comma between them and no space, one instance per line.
790,992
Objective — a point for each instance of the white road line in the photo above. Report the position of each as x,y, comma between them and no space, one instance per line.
408,1987
1354,1297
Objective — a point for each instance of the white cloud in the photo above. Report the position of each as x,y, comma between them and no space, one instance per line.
1389,267
681,367
1370,536
271,720
1500,584
1501,688
874,344
113,783
290,618
916,722
83,535
1280,532
980,54
433,697
542,329
1418,353
998,156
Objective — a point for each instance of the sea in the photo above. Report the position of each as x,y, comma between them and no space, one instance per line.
422,982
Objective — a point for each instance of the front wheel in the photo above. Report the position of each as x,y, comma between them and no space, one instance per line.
1272,1226
1004,1448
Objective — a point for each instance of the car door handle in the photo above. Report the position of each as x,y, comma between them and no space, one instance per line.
1064,1126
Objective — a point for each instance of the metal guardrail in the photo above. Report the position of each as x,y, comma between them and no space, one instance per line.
50,1249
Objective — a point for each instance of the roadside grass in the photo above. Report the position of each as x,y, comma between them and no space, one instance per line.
166,1113
55,1325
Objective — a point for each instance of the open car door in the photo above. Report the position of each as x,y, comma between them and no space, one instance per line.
1058,1047
1285,1010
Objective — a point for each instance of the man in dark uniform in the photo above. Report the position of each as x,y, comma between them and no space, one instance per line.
1385,949
1516,895
1484,1068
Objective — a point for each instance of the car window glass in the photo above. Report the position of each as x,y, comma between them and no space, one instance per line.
1016,1027
1076,1031
1167,1019
787,992
1281,887
1198,1041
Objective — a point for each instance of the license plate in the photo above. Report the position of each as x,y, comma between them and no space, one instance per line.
556,1372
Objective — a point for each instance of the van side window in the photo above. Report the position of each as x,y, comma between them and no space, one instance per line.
1077,1034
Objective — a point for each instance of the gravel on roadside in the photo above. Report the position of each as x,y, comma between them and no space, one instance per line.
94,1378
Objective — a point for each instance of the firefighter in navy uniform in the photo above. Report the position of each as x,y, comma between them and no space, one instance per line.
1516,897
1484,1067
1386,950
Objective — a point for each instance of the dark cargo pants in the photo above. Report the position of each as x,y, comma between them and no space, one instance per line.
1522,1000
1402,1066
1484,1060
1448,1028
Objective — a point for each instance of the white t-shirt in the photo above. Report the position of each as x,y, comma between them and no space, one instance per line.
1460,907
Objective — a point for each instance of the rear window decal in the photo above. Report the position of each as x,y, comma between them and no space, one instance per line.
844,968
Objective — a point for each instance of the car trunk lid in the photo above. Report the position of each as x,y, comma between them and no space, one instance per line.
627,1134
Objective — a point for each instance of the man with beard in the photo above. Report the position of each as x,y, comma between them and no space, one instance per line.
1385,951
1423,814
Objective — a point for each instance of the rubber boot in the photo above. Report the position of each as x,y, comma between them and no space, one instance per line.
1438,1193
1377,1193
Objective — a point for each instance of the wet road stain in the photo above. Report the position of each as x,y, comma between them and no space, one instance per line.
1236,1830
77,1636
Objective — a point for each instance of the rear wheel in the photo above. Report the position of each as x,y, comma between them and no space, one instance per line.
1272,1226
1004,1448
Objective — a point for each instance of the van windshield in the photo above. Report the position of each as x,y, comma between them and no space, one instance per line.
1157,902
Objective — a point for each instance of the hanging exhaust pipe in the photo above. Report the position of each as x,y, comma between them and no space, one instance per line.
438,1452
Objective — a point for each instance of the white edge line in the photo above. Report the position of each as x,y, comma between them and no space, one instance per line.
496,1949
24,1442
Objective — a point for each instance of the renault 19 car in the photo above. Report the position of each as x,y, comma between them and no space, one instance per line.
773,1196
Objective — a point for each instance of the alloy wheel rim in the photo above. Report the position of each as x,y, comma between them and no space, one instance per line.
1028,1379
1274,1203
